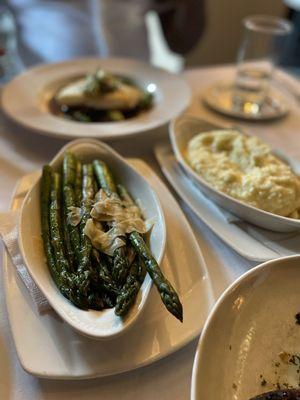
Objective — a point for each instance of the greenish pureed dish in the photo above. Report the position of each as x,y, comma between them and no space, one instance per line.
87,277
104,85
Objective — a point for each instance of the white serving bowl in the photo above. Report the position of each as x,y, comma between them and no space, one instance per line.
26,98
181,130
250,327
95,324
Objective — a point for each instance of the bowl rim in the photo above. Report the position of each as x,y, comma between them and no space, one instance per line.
180,158
234,285
82,330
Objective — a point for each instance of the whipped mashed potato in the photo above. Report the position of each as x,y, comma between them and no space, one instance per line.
243,167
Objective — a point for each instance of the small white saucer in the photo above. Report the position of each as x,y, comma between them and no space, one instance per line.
220,97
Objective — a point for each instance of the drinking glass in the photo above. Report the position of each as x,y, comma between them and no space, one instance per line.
261,47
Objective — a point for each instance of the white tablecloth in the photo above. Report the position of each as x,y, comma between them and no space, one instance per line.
22,152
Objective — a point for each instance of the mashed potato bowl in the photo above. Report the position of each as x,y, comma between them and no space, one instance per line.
182,130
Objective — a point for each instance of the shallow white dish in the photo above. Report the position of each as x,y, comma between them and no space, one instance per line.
58,352
250,241
182,129
251,326
26,98
95,324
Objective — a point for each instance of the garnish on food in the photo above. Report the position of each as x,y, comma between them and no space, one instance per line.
94,239
100,97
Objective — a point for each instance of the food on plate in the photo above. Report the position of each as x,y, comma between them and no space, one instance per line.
94,237
101,97
288,394
244,168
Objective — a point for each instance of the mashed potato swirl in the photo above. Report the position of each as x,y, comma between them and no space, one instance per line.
243,167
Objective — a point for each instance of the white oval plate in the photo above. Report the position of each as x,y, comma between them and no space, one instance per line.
58,352
25,99
251,325
96,324
182,129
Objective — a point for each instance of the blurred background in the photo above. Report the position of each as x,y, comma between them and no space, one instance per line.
223,32
47,31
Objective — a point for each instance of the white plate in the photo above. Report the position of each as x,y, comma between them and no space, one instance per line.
249,241
58,352
25,99
250,328
182,129
103,324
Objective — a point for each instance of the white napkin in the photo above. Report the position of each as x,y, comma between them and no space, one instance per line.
9,234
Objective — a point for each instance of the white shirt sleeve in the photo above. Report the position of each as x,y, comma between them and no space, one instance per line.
122,24
55,30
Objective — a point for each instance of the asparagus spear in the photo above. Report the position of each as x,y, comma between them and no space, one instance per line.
86,204
109,299
121,266
69,249
106,182
62,262
106,280
166,291
129,291
142,271
95,299
69,184
123,193
45,210
62,277
84,272
69,169
104,177
78,184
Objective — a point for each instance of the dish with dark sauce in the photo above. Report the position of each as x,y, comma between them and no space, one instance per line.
101,97
289,394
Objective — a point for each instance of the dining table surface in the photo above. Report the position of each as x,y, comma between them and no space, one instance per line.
23,151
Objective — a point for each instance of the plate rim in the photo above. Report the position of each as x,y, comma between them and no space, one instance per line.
231,287
65,316
67,126
171,349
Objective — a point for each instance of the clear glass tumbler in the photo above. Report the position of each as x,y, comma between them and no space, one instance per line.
261,47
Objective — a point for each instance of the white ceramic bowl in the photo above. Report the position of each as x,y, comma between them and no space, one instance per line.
250,328
26,98
182,129
96,324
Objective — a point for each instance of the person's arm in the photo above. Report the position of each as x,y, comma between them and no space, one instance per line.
182,23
